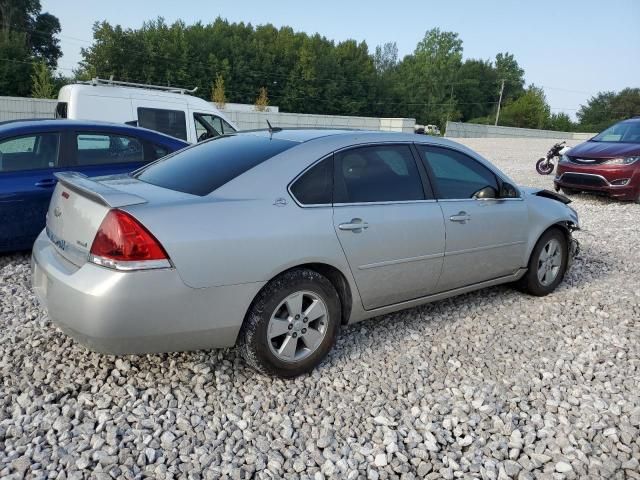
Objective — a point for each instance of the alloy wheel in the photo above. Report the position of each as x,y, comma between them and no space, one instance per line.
298,326
549,262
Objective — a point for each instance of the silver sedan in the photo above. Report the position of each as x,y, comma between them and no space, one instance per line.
271,240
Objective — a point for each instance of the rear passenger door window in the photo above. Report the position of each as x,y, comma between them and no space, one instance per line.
456,175
105,148
381,173
30,152
169,122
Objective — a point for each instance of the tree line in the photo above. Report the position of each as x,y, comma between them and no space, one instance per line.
299,72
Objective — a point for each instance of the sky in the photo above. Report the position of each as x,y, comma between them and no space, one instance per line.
572,48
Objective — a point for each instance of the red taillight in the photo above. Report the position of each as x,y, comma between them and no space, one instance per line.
121,238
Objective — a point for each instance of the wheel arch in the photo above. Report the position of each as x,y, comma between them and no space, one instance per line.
335,276
566,227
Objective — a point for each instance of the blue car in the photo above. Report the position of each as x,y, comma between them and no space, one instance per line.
31,151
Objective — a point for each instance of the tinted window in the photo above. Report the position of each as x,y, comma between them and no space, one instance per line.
315,187
30,152
61,110
155,151
104,148
382,173
171,122
456,175
203,168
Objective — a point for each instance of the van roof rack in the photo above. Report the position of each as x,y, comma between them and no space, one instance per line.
101,81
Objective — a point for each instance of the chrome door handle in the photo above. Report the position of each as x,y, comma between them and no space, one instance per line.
356,225
461,217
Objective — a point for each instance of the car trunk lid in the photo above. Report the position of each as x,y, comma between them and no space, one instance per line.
78,206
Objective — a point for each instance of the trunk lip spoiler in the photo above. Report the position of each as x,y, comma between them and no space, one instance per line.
97,191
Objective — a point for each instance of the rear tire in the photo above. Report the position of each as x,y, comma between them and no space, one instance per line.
547,264
291,325
569,191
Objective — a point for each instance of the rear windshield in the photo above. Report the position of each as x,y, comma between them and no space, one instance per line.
203,168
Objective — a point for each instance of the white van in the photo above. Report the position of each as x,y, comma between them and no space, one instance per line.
165,109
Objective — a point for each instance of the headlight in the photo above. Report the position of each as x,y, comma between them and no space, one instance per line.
564,158
622,161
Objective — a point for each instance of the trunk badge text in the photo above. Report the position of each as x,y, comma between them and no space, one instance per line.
280,202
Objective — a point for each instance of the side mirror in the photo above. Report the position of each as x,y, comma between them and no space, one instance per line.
484,193
508,191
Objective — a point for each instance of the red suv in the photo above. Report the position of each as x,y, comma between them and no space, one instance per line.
608,163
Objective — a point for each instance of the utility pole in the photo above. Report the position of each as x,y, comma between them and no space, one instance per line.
499,102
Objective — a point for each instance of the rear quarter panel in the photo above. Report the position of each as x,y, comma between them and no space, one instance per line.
227,242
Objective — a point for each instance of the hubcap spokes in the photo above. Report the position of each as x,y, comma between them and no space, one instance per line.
297,326
549,262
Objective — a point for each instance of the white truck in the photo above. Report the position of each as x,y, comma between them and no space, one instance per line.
168,110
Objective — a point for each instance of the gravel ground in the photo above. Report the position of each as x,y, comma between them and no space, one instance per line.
491,385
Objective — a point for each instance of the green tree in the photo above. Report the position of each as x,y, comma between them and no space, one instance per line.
42,81
386,57
430,74
218,95
527,111
475,89
303,73
15,71
607,108
560,122
262,101
508,69
27,36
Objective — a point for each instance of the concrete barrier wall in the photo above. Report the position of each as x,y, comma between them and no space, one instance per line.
253,120
244,107
16,108
475,130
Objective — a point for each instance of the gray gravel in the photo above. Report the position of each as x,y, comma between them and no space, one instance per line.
490,385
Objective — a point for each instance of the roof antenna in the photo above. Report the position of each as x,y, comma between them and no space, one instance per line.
273,130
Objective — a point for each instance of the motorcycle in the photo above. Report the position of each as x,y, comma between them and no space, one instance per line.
545,165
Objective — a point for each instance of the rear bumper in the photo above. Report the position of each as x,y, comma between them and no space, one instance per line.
621,182
135,312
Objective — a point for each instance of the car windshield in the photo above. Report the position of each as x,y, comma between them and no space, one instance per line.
627,132
205,167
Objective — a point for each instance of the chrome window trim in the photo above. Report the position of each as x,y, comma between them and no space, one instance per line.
342,149
388,202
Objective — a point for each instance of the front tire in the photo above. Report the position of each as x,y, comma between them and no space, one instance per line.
291,325
544,166
547,265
